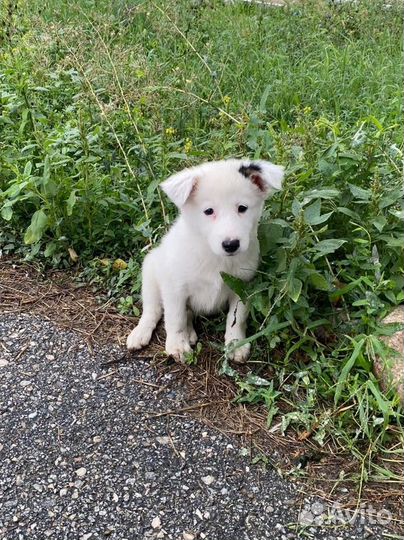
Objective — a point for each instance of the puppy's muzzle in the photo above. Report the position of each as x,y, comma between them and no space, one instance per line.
231,246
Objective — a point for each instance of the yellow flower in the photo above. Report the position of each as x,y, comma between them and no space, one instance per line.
119,264
188,146
226,100
170,131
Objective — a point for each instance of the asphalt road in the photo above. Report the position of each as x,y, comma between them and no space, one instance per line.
85,454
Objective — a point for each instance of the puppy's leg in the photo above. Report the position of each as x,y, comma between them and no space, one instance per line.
235,328
152,308
193,338
176,324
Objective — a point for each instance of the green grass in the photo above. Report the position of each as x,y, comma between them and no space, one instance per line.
100,101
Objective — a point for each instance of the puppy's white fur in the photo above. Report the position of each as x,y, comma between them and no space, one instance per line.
182,275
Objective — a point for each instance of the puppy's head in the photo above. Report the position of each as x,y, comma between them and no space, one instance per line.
222,201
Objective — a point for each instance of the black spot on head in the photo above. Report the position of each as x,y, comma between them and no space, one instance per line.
248,170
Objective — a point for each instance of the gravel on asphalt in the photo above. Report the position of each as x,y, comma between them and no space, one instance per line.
88,453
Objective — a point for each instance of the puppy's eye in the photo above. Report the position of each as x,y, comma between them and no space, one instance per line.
241,209
208,211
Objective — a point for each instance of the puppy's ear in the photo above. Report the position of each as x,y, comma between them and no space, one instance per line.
266,176
179,186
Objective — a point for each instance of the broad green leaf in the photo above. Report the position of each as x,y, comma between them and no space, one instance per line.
327,246
71,201
379,222
296,208
294,288
312,211
319,282
321,194
28,168
347,212
14,189
294,264
391,297
395,242
46,171
397,213
260,303
280,222
390,198
320,219
236,284
360,193
281,259
269,234
50,249
37,227
28,147
326,168
7,212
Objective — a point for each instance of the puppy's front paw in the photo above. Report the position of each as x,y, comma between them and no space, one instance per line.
178,346
239,354
138,338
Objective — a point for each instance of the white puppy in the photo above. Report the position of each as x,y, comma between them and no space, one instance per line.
220,205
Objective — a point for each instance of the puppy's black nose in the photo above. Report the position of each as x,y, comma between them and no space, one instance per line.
230,246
